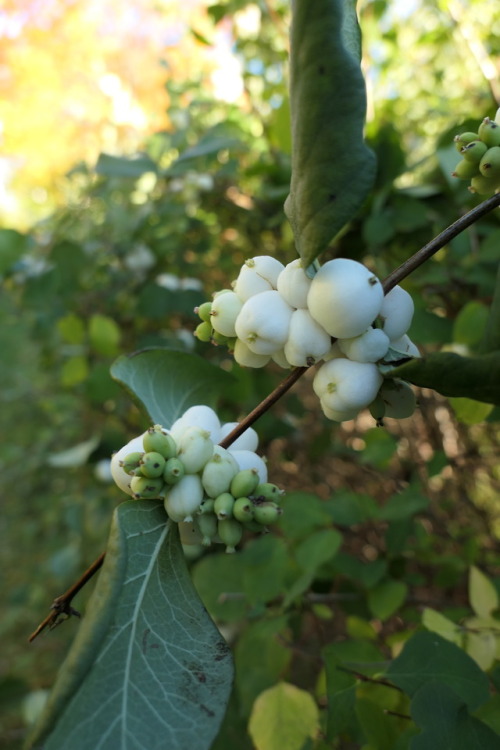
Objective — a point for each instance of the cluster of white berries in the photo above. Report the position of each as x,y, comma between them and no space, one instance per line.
341,316
212,492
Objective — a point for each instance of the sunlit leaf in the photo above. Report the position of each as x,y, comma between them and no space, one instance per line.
332,168
148,669
283,717
483,595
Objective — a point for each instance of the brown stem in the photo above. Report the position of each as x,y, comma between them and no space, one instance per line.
365,678
440,241
62,604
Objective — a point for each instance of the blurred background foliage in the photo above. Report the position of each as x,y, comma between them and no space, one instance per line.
105,255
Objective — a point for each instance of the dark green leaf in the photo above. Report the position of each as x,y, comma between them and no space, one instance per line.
491,340
120,166
12,246
477,378
167,382
387,598
332,168
446,723
148,669
427,657
317,549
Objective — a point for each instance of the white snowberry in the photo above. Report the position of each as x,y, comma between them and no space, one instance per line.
225,310
267,267
218,472
345,297
294,285
397,312
249,283
371,346
247,358
197,416
307,341
263,322
250,460
119,475
184,498
343,385
194,449
248,441
337,415
281,360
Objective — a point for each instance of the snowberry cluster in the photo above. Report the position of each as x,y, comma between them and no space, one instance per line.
340,316
218,492
480,161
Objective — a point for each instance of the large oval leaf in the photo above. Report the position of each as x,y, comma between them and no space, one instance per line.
148,669
476,378
166,382
332,168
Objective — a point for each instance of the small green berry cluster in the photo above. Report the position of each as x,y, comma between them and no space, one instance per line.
212,492
480,161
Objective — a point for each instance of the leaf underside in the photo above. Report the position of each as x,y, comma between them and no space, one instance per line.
452,375
332,168
166,382
148,669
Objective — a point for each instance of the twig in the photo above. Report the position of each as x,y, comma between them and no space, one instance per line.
62,604
365,678
427,251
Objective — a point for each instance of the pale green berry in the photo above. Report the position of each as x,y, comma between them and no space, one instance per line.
243,509
207,506
247,358
489,132
464,138
225,310
118,473
203,332
223,506
268,491
152,464
230,533
474,151
464,170
248,441
207,524
307,341
371,346
250,460
218,472
489,166
131,462
203,311
194,449
266,513
155,440
483,185
244,483
173,470
263,323
201,416
145,488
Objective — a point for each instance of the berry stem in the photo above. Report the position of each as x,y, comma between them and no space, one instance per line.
442,239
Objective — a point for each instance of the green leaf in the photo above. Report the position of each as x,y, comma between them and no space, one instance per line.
265,562
332,168
104,335
427,657
469,411
77,455
446,723
303,512
470,323
317,549
13,245
71,328
438,623
491,339
378,728
74,371
218,578
148,669
120,166
483,595
166,382
403,505
452,375
387,598
283,717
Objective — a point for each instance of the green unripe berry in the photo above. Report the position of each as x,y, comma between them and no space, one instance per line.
244,483
223,506
489,166
243,509
207,506
253,526
207,525
377,409
203,311
155,441
464,170
145,488
482,185
464,138
474,151
230,533
203,332
219,338
266,513
131,462
173,471
489,132
152,464
268,491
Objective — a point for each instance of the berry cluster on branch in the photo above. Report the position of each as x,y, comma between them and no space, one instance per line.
340,316
212,492
480,153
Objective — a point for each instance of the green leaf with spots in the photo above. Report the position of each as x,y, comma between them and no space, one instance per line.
148,669
166,382
450,374
332,168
